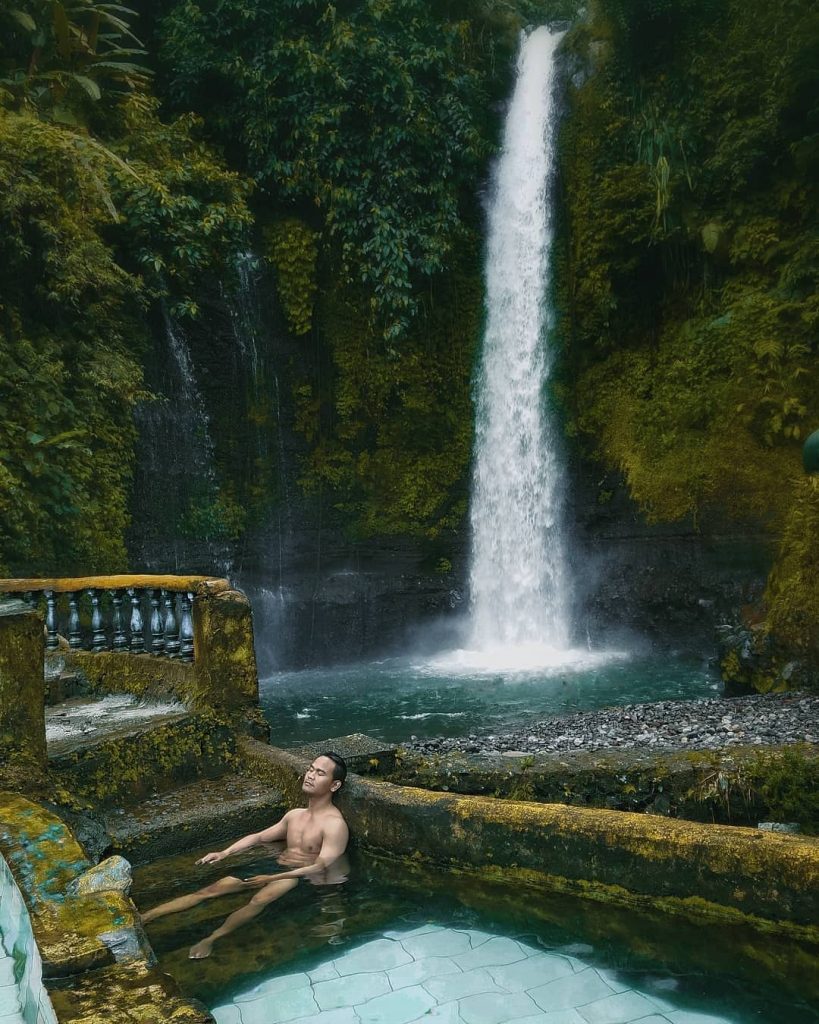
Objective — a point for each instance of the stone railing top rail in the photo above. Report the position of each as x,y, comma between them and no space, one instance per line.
63,585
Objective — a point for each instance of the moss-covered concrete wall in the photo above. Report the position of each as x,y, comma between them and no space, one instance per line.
223,674
97,964
122,672
224,655
683,867
740,786
22,694
127,768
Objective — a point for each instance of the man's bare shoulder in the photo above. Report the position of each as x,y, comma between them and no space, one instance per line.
333,821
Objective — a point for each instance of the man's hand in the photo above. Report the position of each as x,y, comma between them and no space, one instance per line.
212,858
260,879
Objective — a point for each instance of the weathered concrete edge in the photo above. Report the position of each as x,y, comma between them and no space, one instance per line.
44,858
767,880
696,784
65,585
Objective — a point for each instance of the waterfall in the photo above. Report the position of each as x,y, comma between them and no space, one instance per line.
518,579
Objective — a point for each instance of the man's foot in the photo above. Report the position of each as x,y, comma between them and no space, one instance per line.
201,950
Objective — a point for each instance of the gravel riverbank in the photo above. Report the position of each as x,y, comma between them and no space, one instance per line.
708,724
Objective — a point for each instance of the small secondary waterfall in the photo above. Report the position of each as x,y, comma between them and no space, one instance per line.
518,580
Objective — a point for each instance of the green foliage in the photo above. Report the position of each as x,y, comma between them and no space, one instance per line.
394,447
370,117
788,785
692,259
792,595
57,58
69,380
183,215
86,240
692,253
293,250
213,516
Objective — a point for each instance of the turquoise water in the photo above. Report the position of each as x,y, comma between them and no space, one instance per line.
398,943
398,698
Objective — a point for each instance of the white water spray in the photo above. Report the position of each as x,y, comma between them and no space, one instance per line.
518,579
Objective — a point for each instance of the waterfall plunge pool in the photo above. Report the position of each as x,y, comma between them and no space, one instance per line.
395,699
401,943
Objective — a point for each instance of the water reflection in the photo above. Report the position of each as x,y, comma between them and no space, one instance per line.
732,973
397,698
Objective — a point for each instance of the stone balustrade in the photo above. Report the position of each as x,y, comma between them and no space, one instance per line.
137,613
191,636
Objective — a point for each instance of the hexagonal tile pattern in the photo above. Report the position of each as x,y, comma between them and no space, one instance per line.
434,975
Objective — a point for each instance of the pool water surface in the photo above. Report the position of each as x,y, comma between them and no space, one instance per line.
400,698
399,943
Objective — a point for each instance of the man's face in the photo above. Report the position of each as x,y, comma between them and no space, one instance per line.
318,779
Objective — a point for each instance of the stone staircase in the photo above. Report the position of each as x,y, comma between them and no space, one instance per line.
117,750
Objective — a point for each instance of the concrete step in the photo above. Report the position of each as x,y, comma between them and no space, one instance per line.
80,721
119,751
205,812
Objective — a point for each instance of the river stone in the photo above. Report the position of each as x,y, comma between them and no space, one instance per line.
111,874
361,753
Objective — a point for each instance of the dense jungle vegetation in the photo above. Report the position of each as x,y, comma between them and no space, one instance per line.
347,145
691,162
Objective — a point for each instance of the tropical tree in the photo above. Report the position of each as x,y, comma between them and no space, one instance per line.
57,57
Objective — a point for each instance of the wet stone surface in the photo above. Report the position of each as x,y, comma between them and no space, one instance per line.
708,724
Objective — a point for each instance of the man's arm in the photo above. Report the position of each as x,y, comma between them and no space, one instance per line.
333,844
269,835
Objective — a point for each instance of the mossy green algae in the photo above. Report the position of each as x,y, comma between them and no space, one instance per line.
126,768
45,858
616,855
73,932
22,694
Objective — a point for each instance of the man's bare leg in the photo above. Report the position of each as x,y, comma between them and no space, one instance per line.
272,891
221,887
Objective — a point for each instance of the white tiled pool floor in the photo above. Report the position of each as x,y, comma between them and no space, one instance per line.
435,975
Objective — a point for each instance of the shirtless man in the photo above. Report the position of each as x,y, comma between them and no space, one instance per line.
314,838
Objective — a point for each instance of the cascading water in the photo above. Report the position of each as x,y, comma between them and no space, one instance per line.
518,581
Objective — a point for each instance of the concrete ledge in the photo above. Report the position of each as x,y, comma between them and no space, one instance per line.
124,672
127,767
202,813
361,753
727,785
97,963
770,881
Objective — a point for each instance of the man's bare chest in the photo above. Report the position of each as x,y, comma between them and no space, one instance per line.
305,834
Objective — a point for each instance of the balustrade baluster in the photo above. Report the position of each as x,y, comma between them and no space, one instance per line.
157,634
74,634
119,640
186,629
99,641
137,627
52,641
172,643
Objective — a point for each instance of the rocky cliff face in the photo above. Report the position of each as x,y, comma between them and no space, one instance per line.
321,597
218,491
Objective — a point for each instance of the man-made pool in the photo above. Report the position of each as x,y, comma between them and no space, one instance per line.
399,943
398,698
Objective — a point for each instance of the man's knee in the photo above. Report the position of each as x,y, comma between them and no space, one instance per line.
272,891
221,885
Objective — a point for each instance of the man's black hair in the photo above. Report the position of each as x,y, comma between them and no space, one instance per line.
339,766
